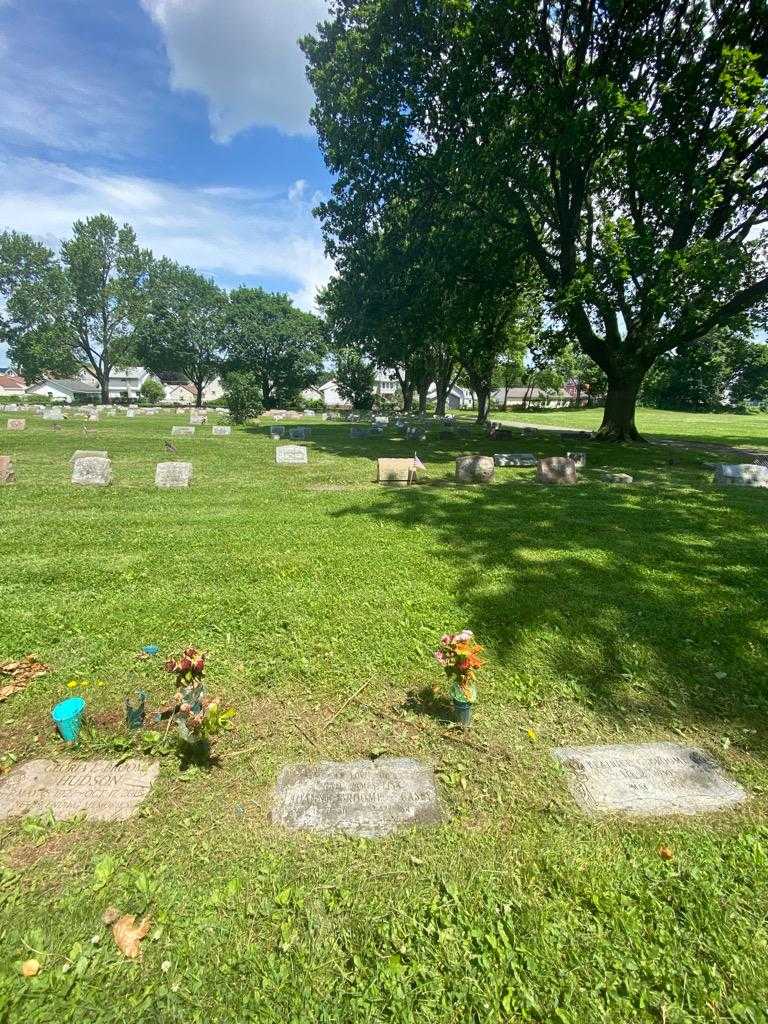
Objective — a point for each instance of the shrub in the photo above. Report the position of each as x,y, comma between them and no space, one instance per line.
243,396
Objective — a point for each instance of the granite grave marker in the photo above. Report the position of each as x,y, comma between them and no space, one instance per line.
556,470
474,469
94,472
291,455
173,474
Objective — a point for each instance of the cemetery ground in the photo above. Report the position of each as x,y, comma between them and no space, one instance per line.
610,614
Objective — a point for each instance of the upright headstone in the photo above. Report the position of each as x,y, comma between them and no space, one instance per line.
366,799
53,414
7,473
290,455
474,469
17,425
514,459
300,433
130,414
276,433
579,459
99,790
173,474
397,472
556,470
741,475
219,431
88,455
182,431
95,472
198,419
645,779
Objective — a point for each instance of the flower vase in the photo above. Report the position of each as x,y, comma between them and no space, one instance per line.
463,713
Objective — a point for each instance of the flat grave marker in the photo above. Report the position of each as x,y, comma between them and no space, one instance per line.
94,472
741,475
367,799
474,469
100,790
182,431
16,425
53,414
276,433
617,478
646,779
514,459
88,455
170,475
198,419
291,455
556,470
300,433
219,431
7,472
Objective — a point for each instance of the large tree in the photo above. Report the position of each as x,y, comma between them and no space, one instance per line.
282,346
78,312
623,141
183,326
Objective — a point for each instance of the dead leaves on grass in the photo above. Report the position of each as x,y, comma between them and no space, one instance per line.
22,673
126,933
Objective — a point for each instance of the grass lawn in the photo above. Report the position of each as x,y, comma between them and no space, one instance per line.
715,428
609,614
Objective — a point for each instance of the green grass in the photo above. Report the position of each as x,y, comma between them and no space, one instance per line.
714,428
609,614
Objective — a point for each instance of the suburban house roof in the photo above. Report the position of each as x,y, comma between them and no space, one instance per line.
73,387
10,382
530,392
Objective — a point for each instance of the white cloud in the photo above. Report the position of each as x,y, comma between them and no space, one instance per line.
243,57
297,190
225,232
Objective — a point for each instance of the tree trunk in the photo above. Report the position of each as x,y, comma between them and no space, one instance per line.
442,387
483,404
423,389
199,395
506,399
407,398
619,411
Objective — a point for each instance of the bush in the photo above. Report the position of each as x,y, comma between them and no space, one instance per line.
243,396
313,404
152,391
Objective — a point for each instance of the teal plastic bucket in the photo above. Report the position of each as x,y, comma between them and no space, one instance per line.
68,716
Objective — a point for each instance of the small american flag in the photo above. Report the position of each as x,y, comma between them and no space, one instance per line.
417,463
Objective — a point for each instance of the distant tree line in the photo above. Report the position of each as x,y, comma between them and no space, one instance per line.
104,302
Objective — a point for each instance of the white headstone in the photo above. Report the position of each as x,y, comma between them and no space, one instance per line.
398,472
474,469
221,431
512,459
617,478
741,475
368,799
198,419
646,779
99,790
173,474
290,454
53,414
88,455
579,459
96,472
182,431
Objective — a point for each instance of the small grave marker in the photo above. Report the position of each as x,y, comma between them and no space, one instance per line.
94,472
100,790
300,433
198,419
276,433
173,474
220,431
291,455
474,469
16,425
556,470
617,478
368,799
182,431
512,459
579,459
646,779
396,472
53,414
7,472
745,475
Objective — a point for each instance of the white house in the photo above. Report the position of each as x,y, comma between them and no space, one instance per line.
328,393
179,393
520,397
457,398
125,383
66,391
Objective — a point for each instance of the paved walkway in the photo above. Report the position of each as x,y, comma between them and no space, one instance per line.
673,442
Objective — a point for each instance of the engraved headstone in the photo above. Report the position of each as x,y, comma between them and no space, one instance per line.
198,419
99,790
368,799
645,779
556,470
300,433
130,414
617,478
744,475
96,472
276,433
579,459
17,424
53,414
173,474
474,469
88,455
182,431
7,473
511,459
219,431
290,454
397,472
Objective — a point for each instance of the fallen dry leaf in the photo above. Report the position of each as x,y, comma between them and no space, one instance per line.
30,968
22,673
127,934
665,853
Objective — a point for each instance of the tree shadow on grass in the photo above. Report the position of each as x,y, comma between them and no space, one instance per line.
641,600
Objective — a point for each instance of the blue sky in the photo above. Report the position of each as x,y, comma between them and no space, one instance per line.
186,118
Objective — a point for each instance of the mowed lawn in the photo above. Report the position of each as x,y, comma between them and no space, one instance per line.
716,428
609,615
